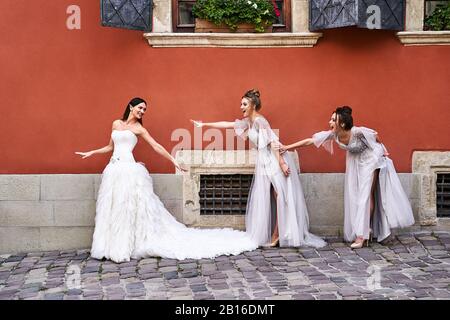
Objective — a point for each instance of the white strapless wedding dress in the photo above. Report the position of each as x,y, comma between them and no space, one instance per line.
132,222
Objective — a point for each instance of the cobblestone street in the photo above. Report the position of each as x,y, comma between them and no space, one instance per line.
412,266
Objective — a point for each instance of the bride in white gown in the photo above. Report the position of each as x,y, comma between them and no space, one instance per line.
290,225
131,221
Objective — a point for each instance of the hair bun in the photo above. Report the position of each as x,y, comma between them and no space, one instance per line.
347,109
255,92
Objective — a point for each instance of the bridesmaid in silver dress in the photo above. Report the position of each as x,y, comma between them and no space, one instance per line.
375,201
272,172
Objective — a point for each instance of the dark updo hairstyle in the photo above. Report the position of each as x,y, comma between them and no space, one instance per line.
134,102
253,96
345,117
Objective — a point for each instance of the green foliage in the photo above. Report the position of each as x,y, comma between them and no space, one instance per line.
439,19
259,13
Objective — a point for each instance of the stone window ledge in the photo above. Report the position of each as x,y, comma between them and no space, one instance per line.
424,38
232,40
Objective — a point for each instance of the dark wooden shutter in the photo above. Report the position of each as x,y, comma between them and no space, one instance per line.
127,14
326,14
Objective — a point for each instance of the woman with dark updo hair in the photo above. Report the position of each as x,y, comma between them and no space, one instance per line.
375,201
289,226
131,221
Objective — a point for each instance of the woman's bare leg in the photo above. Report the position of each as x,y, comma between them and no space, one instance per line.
275,234
372,192
359,241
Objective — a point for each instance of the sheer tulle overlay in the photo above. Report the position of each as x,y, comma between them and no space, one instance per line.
364,156
293,222
132,222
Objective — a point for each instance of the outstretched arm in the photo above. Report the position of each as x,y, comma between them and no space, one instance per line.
283,148
159,148
105,149
301,143
218,125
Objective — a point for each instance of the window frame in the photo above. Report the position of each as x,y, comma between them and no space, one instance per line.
177,28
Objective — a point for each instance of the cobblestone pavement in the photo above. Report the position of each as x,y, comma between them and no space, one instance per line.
411,266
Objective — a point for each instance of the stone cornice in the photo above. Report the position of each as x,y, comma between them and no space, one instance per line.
421,38
233,40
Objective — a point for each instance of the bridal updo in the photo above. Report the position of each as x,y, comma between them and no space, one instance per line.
254,96
345,119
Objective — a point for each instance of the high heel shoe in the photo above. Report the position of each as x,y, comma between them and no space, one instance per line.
273,243
359,244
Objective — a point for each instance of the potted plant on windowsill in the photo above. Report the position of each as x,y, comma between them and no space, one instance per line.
234,15
439,20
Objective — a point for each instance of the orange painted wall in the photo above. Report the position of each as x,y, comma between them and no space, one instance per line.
60,89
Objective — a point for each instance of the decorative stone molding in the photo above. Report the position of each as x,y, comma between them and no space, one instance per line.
427,164
212,162
232,40
414,34
422,38
162,35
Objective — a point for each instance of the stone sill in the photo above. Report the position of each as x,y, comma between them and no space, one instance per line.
232,40
424,38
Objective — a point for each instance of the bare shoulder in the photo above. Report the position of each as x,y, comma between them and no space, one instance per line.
141,130
116,124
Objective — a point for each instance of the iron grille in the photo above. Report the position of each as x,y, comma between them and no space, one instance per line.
127,14
443,194
224,194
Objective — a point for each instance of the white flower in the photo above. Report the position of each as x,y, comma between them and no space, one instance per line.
249,2
255,6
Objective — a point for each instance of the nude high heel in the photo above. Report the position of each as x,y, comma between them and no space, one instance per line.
359,244
272,244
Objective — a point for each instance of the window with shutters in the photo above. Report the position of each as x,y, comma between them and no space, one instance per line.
416,31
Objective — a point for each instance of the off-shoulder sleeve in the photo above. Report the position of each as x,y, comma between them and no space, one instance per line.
324,139
265,133
370,137
241,127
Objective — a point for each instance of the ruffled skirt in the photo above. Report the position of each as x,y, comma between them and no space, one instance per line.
132,222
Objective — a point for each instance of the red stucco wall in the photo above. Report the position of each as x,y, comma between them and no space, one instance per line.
61,89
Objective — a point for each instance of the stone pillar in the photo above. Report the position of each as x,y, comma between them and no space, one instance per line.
415,11
162,16
300,15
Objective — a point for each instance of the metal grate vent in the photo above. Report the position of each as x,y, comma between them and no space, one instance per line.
224,194
443,194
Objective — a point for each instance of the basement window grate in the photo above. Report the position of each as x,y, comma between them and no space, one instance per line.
224,194
443,195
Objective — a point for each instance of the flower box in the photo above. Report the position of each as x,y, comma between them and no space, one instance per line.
205,26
